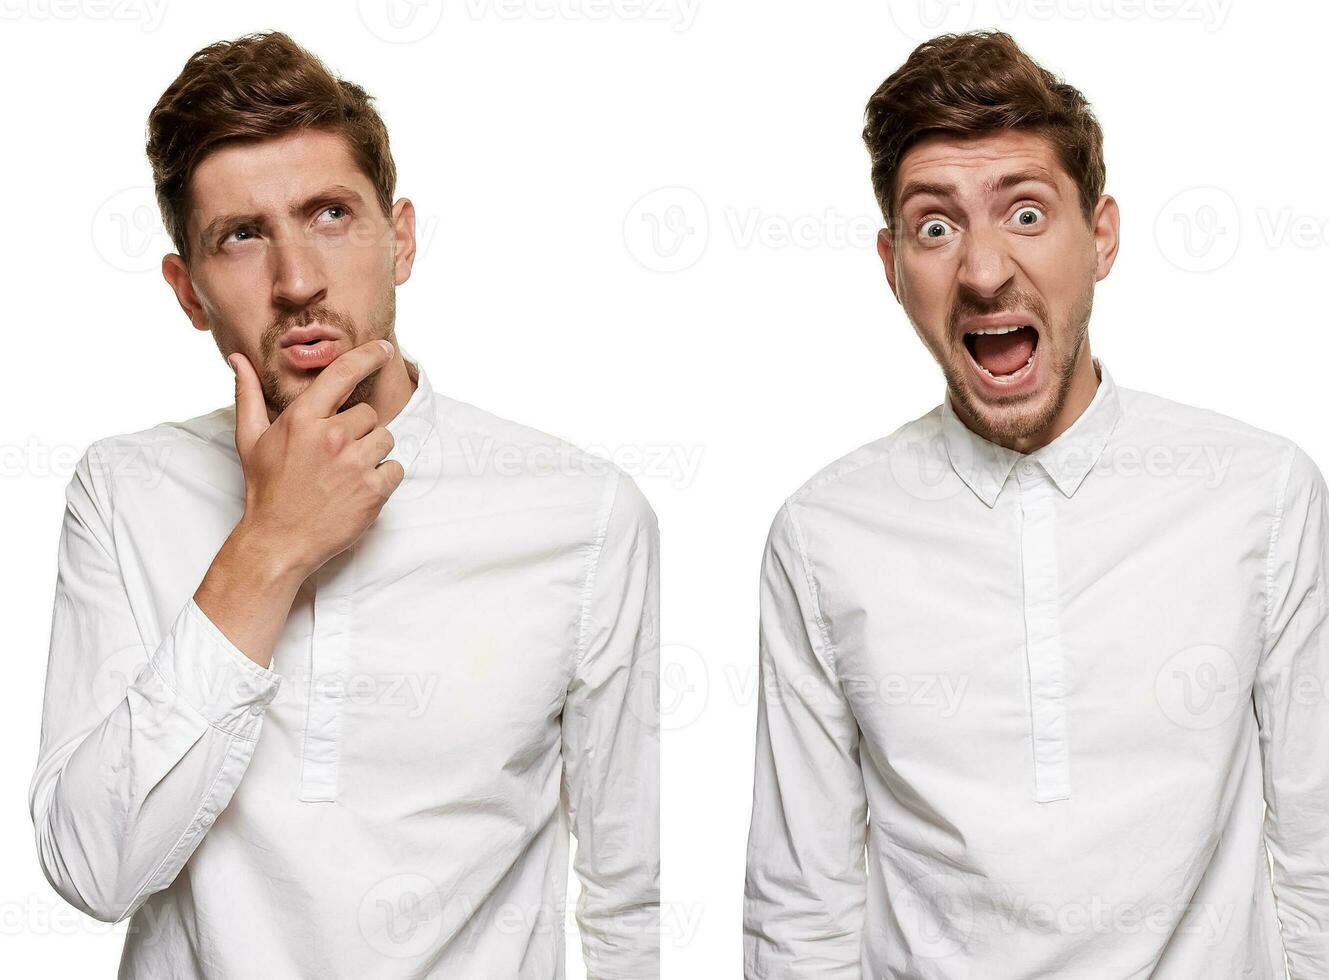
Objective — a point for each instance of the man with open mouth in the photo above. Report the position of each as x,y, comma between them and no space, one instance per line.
327,693
1043,672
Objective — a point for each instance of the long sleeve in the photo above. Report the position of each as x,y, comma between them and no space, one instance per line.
142,745
611,743
805,888
1293,717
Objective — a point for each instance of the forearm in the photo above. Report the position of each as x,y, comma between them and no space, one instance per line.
248,590
1294,727
611,749
120,808
805,890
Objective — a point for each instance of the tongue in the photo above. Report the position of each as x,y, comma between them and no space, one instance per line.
1004,353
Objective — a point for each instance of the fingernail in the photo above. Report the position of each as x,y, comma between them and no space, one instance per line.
387,346
232,363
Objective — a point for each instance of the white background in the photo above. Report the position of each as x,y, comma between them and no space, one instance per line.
647,227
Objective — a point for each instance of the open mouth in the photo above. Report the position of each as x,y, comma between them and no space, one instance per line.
1003,353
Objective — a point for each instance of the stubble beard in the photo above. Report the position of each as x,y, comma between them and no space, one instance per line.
279,394
1009,424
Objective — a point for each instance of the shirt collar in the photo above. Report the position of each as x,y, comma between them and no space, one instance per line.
1067,459
414,424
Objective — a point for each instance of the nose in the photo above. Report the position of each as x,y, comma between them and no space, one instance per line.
298,277
985,265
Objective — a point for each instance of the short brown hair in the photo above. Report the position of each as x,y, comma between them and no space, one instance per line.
972,84
253,88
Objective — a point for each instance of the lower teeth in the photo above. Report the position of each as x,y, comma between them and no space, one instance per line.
1011,375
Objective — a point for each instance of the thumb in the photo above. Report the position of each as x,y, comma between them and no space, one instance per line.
251,412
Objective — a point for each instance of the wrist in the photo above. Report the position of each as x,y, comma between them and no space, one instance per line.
265,559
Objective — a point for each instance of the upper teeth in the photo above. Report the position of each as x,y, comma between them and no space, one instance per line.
1008,329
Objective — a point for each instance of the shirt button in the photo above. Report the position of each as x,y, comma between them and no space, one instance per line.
1027,468
256,709
206,820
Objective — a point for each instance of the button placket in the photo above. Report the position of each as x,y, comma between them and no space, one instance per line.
329,653
1047,690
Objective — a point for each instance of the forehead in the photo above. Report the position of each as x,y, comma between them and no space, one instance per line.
969,162
272,173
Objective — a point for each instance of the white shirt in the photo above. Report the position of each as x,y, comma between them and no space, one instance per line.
1050,694
384,800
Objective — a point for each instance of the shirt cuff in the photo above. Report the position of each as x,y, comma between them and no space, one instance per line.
213,676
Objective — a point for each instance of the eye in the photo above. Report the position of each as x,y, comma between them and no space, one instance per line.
933,229
334,207
233,234
1029,216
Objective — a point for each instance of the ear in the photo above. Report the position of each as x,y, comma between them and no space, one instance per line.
1106,227
403,240
887,253
177,274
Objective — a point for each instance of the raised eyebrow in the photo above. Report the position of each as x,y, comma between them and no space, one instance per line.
1037,175
916,187
328,194
991,186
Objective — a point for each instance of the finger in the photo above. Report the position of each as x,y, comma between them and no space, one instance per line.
357,421
334,384
393,473
375,445
251,411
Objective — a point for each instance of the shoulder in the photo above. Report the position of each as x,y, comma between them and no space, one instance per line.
1142,409
118,462
876,468
1153,424
489,444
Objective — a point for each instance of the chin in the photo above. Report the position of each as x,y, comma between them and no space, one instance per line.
280,392
1000,417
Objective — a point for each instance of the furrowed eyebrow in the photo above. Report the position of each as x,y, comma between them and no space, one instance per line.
336,192
1004,182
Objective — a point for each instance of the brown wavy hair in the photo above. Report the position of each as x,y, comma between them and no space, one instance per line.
253,88
973,84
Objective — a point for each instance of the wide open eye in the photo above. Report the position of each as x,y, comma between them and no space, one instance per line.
934,229
1029,216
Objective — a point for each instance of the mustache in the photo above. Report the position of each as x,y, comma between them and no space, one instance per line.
1007,303
309,315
